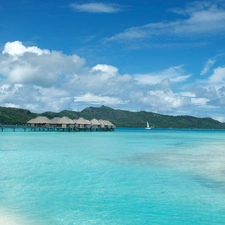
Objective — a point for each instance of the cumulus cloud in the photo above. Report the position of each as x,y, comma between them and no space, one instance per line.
202,90
199,18
165,100
17,48
31,65
218,76
43,80
96,7
48,80
106,71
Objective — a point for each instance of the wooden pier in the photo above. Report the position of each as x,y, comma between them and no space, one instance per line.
51,128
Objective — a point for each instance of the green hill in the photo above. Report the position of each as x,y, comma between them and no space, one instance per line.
121,118
15,116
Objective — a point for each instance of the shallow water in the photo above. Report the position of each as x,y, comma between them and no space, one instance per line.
130,176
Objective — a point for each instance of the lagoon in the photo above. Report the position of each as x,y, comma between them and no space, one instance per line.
129,176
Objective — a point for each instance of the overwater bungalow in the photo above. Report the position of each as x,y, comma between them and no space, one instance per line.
88,124
111,126
54,122
106,125
95,124
65,123
83,124
40,121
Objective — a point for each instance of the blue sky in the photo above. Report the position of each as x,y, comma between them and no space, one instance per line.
161,56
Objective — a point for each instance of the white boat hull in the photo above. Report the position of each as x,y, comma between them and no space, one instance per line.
148,127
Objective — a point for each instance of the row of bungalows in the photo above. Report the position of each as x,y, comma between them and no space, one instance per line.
65,123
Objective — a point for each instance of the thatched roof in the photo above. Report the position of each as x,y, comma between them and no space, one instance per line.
102,122
67,120
31,121
112,125
95,122
108,123
64,120
83,121
88,122
55,120
40,120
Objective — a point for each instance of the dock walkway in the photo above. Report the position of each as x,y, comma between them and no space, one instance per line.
48,128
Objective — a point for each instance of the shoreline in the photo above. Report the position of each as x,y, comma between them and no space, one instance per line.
8,218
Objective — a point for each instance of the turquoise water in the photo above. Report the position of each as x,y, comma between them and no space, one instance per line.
130,176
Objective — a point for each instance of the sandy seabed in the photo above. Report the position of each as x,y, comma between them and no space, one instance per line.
4,220
7,218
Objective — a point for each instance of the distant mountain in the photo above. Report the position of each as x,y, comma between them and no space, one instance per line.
15,116
120,118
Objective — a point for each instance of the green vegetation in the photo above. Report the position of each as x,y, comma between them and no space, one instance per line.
15,116
120,118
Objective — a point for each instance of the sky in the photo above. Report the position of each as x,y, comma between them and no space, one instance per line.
159,56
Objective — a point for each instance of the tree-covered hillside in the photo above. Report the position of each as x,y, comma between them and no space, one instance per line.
15,116
122,118
119,118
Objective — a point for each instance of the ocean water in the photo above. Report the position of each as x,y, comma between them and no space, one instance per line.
129,176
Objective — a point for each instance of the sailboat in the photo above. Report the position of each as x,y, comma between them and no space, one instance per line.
148,127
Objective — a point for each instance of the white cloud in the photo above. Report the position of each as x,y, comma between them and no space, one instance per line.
207,66
105,68
106,71
11,105
53,81
96,99
218,76
200,19
36,66
174,74
17,48
199,101
4,88
203,91
187,94
96,7
54,98
165,100
35,98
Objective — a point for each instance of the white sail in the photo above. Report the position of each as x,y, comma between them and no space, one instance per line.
148,127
